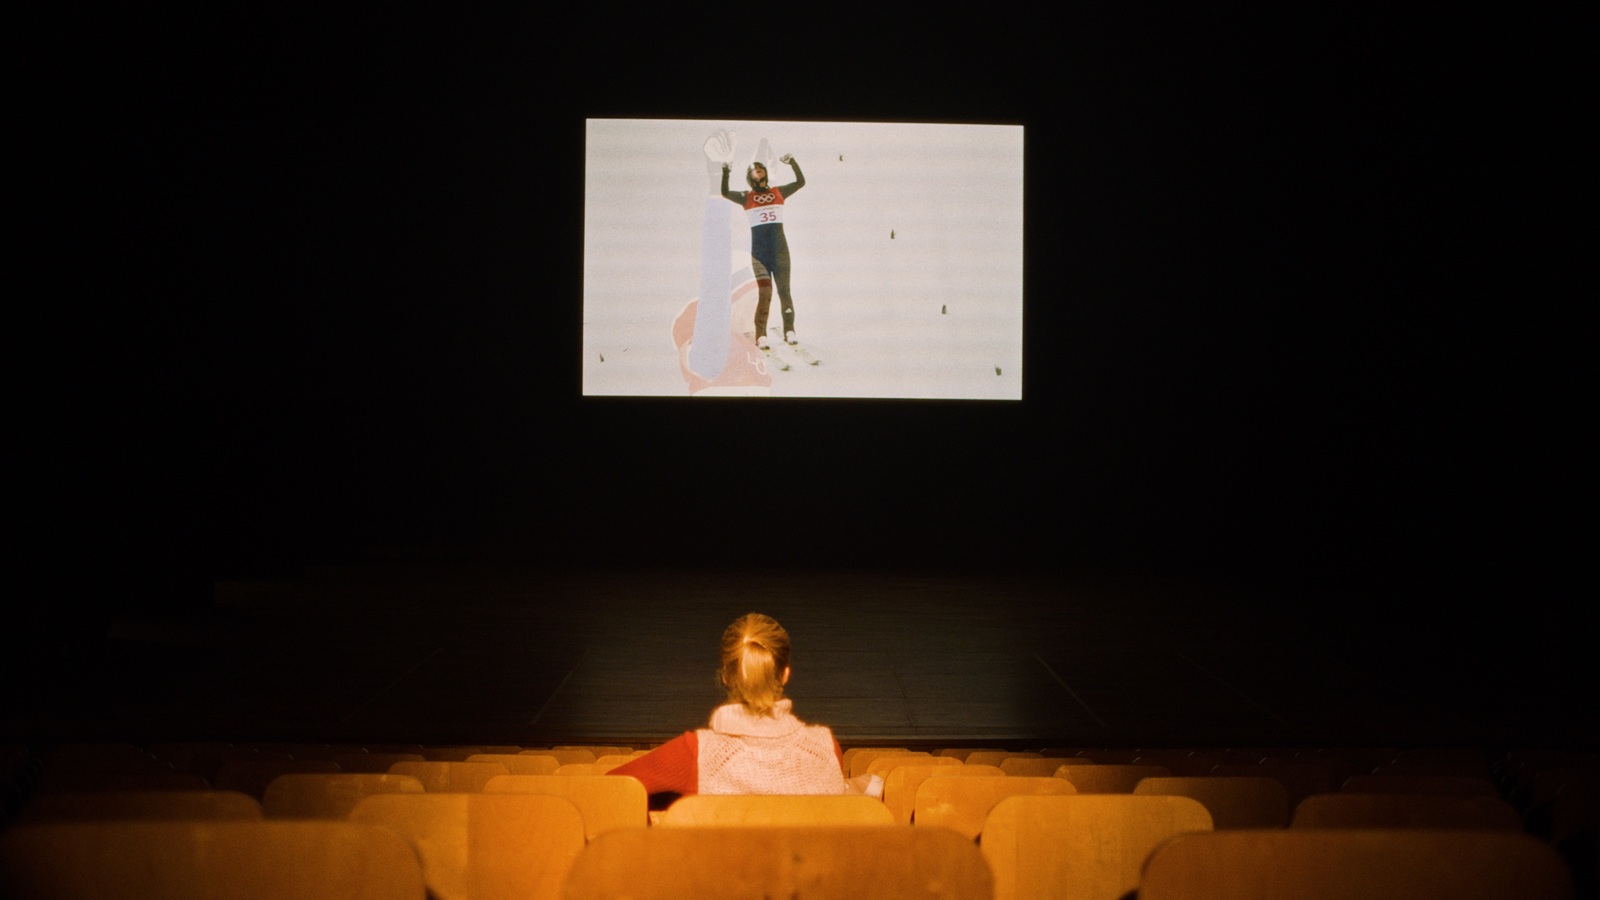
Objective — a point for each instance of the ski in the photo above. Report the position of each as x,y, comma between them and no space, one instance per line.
804,354
778,361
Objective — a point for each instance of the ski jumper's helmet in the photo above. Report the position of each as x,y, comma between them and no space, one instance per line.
750,174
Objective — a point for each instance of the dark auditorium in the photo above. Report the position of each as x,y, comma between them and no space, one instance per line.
780,452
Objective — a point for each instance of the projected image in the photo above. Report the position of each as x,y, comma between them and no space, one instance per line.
802,259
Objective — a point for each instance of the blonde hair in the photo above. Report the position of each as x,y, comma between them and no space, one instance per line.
755,655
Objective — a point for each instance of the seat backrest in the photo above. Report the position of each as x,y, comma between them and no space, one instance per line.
606,763
178,753
1080,845
1108,778
1336,764
776,809
861,761
520,763
606,802
480,846
881,763
865,754
92,766
106,805
207,761
962,802
1234,801
299,749
1182,761
1299,779
901,783
847,862
1036,765
1387,810
882,766
1572,811
456,752
251,776
1339,863
450,776
86,781
329,795
367,761
587,768
1419,784
1438,761
199,860
998,757
563,755
598,750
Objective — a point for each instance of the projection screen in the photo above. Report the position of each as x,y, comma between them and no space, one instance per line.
888,257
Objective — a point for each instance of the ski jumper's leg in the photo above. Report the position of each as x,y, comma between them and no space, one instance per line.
785,300
763,296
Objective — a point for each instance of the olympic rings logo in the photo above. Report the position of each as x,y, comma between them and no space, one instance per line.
763,198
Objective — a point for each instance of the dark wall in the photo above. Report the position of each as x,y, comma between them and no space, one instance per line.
1288,297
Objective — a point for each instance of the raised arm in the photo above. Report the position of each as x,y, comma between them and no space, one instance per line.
735,196
799,176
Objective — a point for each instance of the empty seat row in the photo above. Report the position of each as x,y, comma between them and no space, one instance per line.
492,846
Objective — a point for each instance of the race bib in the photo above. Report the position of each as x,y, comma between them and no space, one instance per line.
765,215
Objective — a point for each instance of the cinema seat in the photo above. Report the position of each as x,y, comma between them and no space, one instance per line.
901,785
962,802
859,762
884,766
1388,810
1036,766
1299,779
111,805
329,795
368,761
483,846
850,754
519,763
450,776
996,757
109,766
775,809
459,752
598,750
1372,864
195,860
1437,761
849,862
1108,778
1080,845
1234,801
564,755
251,776
1419,784
606,802
1181,761
606,763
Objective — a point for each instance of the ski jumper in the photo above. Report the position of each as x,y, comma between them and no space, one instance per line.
743,753
764,209
769,249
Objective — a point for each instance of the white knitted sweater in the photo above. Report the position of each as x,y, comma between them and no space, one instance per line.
743,753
